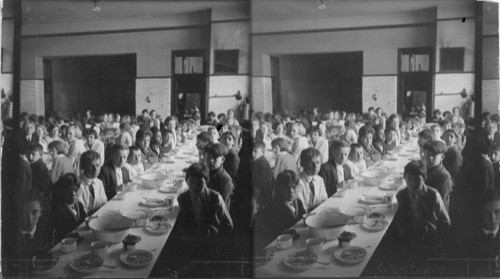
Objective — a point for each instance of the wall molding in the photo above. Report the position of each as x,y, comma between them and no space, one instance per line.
380,75
228,75
490,36
32,79
454,73
230,20
455,18
491,78
327,30
261,76
151,77
102,32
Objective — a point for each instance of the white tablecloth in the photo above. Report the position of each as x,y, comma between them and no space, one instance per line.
370,240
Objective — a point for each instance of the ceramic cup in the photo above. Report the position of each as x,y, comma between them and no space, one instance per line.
315,245
121,195
388,197
100,248
132,187
169,201
68,245
352,184
284,241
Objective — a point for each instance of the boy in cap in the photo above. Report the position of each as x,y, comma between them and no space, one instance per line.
219,179
437,176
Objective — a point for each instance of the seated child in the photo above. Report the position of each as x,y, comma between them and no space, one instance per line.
232,161
134,160
391,136
263,180
67,212
214,134
219,181
336,172
40,173
93,143
284,160
167,143
494,153
92,194
356,159
311,190
202,140
437,176
60,163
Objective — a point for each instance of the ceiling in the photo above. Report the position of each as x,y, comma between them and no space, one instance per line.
58,11
276,10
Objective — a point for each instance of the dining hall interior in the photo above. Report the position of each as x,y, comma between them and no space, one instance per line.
250,138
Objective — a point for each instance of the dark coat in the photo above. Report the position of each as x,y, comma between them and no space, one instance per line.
24,175
330,176
232,163
479,246
108,177
222,183
439,179
452,161
217,222
262,180
41,178
65,222
496,170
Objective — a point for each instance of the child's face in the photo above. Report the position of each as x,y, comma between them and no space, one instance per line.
276,150
71,195
215,135
257,153
279,129
55,132
357,154
71,135
381,134
340,155
312,167
437,131
491,128
214,162
367,139
120,157
93,170
294,132
450,139
495,156
169,138
491,215
31,213
53,152
289,192
135,157
171,125
40,131
34,156
228,141
195,185
158,137
391,136
90,139
432,160
414,182
314,136
144,142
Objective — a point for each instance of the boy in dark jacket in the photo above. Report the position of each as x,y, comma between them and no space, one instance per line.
437,176
262,177
219,181
39,171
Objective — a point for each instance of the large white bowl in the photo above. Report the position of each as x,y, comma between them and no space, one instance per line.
375,177
110,228
326,224
154,180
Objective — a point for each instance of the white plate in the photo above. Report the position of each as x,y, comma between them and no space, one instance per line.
158,228
169,189
375,225
92,261
131,258
141,213
388,186
301,260
152,203
356,210
371,199
350,255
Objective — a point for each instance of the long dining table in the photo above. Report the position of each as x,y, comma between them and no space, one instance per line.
174,166
327,265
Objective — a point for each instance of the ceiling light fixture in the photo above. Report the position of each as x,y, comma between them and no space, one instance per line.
96,7
322,5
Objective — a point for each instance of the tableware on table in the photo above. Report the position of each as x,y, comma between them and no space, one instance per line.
129,241
76,236
389,186
87,220
170,188
376,215
345,238
371,199
110,227
301,260
154,180
87,263
152,203
293,232
158,228
100,248
327,224
374,177
350,255
132,187
284,241
45,261
375,225
305,215
122,195
68,245
140,216
315,245
136,258
357,213
169,201
388,197
352,184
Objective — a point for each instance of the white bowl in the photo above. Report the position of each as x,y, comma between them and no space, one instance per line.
110,228
375,177
154,180
139,215
326,224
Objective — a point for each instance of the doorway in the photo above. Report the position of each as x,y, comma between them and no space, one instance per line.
100,83
189,82
329,81
415,68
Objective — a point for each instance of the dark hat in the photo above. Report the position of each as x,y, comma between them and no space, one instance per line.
216,149
435,147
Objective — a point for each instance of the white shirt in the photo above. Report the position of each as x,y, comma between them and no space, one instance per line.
356,167
91,204
493,232
32,232
119,176
135,170
340,173
305,194
322,146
